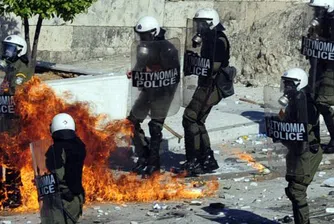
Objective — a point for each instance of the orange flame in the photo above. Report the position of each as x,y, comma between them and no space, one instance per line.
36,105
248,158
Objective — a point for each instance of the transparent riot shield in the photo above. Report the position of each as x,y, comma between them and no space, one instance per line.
286,125
7,114
199,56
51,209
285,122
155,88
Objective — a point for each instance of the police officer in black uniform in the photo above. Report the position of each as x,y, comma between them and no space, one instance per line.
65,159
322,71
303,157
154,53
14,62
209,92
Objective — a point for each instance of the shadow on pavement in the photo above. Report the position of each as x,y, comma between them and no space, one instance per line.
257,117
234,216
122,158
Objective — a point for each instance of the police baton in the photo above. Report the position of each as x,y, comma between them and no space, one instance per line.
173,132
251,102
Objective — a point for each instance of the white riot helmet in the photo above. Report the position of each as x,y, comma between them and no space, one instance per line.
292,80
210,16
147,28
296,75
14,46
62,121
327,4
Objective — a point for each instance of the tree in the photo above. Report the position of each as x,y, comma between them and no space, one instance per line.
43,9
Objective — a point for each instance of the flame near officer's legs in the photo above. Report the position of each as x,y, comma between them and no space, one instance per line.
36,104
248,158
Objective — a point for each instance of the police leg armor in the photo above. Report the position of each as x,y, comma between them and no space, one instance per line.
141,144
12,187
208,161
301,168
296,192
73,209
327,112
192,139
155,127
194,130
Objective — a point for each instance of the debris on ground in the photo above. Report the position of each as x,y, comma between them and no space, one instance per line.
328,183
195,203
329,210
286,219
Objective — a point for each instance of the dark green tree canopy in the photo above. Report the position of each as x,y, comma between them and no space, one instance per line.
47,9
44,9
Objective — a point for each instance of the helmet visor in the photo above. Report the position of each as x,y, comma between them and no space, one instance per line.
288,84
145,36
9,51
201,25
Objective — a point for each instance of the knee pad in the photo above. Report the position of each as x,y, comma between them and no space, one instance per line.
295,192
155,128
323,108
134,121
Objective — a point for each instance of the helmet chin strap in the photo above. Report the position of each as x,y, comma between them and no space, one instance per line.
211,24
154,33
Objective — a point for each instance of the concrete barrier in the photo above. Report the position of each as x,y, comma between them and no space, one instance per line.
107,94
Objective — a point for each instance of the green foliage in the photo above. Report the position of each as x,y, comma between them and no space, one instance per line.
65,9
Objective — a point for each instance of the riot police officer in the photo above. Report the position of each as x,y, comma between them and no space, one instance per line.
14,62
153,53
65,158
215,48
322,71
303,157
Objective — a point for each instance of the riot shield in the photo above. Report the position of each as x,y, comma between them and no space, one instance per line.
286,128
199,56
155,88
317,46
7,114
46,182
286,123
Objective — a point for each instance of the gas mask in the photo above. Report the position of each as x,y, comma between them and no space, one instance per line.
9,55
315,26
289,89
202,29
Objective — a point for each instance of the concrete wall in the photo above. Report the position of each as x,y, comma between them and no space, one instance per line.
107,30
107,27
101,92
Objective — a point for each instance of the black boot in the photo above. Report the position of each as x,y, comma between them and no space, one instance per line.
140,166
329,148
153,168
192,167
14,198
12,187
209,162
155,127
153,162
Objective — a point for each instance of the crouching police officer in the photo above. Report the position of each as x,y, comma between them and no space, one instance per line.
304,153
14,62
154,55
205,42
65,159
